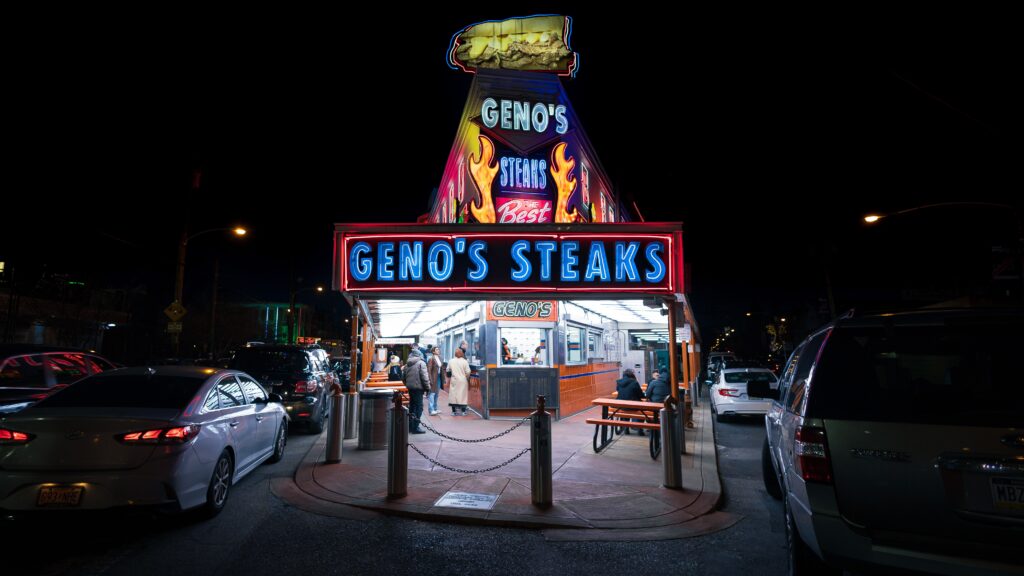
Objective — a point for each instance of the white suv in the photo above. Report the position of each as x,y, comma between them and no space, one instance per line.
897,440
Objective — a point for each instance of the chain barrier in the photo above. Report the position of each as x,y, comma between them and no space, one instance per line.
476,441
461,471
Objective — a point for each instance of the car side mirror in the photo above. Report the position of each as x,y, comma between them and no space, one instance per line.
273,397
761,389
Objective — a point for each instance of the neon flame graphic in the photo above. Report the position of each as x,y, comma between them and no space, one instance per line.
483,173
565,182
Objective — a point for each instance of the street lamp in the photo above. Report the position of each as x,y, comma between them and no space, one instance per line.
319,289
872,218
176,311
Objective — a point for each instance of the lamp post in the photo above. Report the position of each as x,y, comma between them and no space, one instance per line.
176,311
319,289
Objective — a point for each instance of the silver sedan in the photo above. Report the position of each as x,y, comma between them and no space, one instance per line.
177,436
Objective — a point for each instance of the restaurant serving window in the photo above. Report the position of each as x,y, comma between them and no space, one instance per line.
595,347
574,351
524,346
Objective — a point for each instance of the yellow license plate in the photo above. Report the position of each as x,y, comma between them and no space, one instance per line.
60,496
1008,493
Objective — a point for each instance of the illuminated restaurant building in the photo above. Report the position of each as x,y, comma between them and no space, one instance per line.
527,254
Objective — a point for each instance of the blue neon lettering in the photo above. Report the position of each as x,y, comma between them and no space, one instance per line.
569,272
625,261
410,260
657,270
438,272
476,251
597,263
460,245
545,248
360,265
522,273
385,261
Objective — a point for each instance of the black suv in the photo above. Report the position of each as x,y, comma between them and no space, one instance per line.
897,441
300,374
30,373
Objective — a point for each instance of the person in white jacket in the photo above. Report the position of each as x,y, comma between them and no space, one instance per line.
458,391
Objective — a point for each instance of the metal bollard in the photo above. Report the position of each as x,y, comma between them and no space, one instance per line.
540,456
336,425
669,445
351,415
398,449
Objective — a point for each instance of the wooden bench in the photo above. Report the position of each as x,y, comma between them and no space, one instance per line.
607,426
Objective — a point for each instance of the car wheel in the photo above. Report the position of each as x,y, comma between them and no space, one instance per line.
317,426
279,442
220,485
771,479
802,560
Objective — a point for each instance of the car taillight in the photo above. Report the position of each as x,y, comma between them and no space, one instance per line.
730,392
8,437
305,386
811,450
176,435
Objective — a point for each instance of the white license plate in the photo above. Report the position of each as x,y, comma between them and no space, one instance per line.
1008,493
60,496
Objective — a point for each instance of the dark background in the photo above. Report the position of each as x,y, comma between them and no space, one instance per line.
768,136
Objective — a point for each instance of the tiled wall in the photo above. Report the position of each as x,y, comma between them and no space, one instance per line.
579,385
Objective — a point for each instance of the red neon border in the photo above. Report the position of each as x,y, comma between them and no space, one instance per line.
674,262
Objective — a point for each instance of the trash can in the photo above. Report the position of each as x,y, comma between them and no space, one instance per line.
373,418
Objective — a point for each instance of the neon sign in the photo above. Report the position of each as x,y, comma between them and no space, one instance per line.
529,260
515,115
523,210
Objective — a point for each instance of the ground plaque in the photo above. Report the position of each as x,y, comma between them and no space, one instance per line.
467,500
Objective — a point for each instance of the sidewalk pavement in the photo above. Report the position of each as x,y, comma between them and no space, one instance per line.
612,496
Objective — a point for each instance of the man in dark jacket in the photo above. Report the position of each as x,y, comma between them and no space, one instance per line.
417,380
658,389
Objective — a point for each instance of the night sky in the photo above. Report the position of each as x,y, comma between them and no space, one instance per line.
769,141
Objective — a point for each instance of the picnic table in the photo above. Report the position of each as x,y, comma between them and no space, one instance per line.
607,427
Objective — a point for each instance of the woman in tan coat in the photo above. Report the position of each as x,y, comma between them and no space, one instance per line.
458,390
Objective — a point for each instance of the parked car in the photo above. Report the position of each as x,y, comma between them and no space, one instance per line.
298,373
173,436
898,442
729,393
30,373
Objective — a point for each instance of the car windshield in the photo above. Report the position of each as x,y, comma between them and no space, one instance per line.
127,391
959,373
255,361
743,377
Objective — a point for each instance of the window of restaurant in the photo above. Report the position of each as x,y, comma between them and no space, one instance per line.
474,347
574,351
527,346
595,344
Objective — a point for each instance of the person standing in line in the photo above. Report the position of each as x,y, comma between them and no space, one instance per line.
417,381
434,370
458,391
395,370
